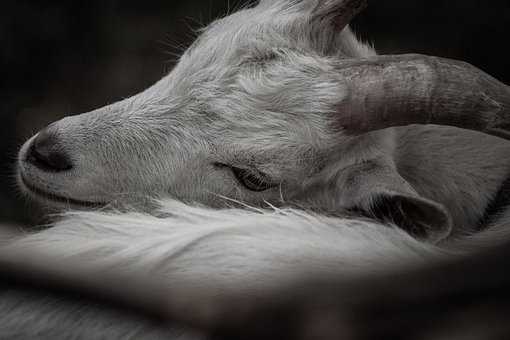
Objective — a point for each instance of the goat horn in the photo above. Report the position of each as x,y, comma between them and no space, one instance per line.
389,91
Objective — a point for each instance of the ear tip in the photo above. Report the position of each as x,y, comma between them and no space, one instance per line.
435,220
422,218
441,223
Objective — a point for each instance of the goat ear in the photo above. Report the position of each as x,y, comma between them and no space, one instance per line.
337,13
375,189
325,22
420,217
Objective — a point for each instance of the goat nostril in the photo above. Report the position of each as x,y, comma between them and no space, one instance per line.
46,152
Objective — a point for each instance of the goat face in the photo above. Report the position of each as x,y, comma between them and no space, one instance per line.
248,99
268,105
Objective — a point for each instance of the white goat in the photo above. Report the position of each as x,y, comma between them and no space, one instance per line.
276,105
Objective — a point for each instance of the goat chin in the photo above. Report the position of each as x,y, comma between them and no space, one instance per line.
200,253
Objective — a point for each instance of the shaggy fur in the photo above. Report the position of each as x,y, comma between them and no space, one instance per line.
200,253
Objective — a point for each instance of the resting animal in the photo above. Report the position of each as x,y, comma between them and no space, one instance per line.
279,106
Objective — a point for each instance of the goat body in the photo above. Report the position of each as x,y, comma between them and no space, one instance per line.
275,106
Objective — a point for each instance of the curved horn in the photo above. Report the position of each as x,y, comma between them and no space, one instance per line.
388,91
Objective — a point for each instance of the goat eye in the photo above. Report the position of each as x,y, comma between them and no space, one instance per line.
253,180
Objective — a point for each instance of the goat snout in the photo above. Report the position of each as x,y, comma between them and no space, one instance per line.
47,152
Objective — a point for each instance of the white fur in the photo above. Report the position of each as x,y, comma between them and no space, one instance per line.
234,247
200,253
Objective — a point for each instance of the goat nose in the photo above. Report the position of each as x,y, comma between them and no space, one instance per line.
46,152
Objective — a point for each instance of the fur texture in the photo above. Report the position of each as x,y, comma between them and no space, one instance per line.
199,253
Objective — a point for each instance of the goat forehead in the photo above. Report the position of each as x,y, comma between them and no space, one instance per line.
204,97
230,37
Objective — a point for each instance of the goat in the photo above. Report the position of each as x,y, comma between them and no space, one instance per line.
276,105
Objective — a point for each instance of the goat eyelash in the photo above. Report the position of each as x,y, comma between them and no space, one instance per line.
251,179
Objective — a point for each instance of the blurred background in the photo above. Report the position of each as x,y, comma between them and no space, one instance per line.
59,58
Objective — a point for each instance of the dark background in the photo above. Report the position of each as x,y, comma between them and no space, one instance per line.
66,57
